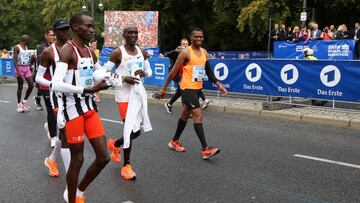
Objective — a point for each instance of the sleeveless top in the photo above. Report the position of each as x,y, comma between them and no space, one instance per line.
194,72
129,64
77,104
23,58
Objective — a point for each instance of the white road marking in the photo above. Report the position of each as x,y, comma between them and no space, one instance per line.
327,161
112,121
3,101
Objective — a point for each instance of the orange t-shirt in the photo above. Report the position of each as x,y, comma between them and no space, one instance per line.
194,71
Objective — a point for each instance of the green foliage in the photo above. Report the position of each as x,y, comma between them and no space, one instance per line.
228,25
20,17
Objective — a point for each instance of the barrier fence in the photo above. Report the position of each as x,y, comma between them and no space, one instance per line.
322,79
323,49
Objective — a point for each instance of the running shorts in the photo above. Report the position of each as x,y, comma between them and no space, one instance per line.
123,106
88,123
190,97
24,71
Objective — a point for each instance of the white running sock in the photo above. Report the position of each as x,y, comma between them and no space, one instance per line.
56,149
65,155
79,193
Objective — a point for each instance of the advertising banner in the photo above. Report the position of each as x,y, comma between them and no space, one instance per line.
323,49
7,67
328,80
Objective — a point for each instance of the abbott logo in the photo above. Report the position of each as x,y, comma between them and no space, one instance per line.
159,69
253,72
221,71
330,76
289,74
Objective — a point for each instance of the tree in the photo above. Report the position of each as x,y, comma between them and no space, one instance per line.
20,17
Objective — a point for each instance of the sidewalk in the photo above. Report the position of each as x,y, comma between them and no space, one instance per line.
323,115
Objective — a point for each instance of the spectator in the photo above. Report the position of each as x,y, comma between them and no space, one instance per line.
304,34
275,33
283,33
339,33
326,34
93,45
315,33
5,54
345,32
332,30
296,34
356,36
289,31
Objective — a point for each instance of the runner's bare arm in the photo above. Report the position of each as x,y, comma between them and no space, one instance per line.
45,63
15,55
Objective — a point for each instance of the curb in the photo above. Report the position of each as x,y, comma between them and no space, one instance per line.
244,111
339,122
282,115
354,123
342,122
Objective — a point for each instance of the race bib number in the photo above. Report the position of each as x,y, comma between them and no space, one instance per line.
199,74
134,66
86,77
25,57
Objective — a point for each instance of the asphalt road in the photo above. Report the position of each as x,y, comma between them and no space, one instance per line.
256,164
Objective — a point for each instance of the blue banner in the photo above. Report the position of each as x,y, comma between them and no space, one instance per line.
160,71
338,80
323,49
7,67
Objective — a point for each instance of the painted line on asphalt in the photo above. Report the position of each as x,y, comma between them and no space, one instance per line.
111,121
4,101
327,161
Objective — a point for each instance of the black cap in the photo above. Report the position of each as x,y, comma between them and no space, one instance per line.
60,23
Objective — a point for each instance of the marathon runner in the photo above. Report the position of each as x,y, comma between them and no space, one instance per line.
132,64
22,60
49,58
73,77
195,65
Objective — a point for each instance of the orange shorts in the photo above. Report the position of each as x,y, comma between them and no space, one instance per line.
123,106
88,123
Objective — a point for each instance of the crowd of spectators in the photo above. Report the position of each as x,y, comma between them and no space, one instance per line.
283,33
145,21
305,33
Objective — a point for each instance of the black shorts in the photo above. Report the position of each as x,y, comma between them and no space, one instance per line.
190,98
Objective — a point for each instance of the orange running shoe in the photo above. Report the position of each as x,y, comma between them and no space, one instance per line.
53,171
115,151
209,152
175,145
127,173
80,199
